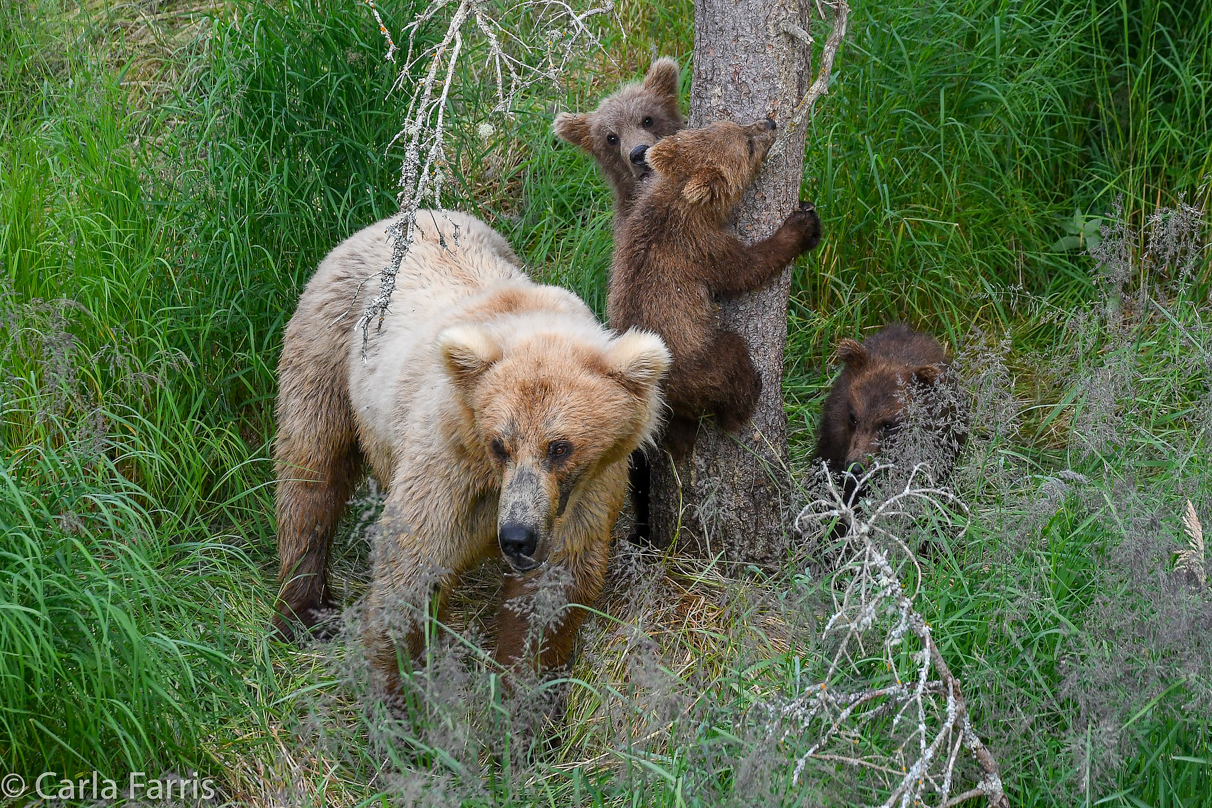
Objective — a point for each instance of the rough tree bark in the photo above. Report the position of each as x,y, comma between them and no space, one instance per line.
751,60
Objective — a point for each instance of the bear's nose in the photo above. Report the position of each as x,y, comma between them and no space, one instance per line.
637,154
857,469
770,124
517,541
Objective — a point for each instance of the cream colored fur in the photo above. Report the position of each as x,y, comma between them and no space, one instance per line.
471,352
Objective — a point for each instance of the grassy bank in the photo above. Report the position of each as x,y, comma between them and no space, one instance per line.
171,174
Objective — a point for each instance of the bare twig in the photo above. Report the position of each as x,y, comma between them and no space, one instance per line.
516,64
391,45
840,18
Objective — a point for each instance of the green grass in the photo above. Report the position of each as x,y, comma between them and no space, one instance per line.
164,198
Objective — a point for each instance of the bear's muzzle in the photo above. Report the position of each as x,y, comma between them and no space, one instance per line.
524,518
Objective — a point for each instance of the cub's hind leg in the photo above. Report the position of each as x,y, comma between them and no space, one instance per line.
737,383
723,381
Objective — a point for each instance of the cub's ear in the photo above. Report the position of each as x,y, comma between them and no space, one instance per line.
708,186
852,354
638,360
466,353
664,156
662,77
573,128
929,374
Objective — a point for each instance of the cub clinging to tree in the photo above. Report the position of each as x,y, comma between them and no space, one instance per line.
624,126
498,414
675,256
896,399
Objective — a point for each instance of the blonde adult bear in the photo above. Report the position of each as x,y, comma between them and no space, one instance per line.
497,413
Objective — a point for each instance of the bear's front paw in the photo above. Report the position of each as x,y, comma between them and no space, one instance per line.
806,224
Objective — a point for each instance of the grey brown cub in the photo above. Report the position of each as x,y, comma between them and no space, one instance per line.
618,135
624,126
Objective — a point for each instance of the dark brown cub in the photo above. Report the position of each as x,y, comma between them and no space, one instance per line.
896,399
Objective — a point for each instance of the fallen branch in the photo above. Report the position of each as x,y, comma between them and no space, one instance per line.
872,596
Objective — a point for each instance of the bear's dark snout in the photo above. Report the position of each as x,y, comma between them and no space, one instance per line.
518,543
637,154
770,124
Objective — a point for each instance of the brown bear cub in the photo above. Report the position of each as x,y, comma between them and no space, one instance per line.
624,126
618,134
896,400
675,257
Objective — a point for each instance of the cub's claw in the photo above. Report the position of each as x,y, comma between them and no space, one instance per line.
808,225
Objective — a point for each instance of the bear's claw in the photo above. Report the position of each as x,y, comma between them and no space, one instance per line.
805,219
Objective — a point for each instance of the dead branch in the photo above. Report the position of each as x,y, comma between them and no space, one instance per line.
870,600
840,18
515,64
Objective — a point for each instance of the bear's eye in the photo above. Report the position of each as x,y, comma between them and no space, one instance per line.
612,139
887,428
647,122
559,449
498,450
853,420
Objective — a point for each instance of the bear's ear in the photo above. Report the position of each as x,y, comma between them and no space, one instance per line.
638,360
852,354
466,353
662,77
708,186
573,128
663,156
929,374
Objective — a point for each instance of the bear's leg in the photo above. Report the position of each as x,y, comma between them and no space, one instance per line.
728,380
386,612
638,484
689,397
318,467
751,266
414,570
679,436
519,641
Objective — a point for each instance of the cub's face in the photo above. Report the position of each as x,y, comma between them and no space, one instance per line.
716,163
874,415
546,416
626,124
878,398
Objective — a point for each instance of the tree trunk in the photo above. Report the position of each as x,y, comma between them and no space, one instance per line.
731,494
